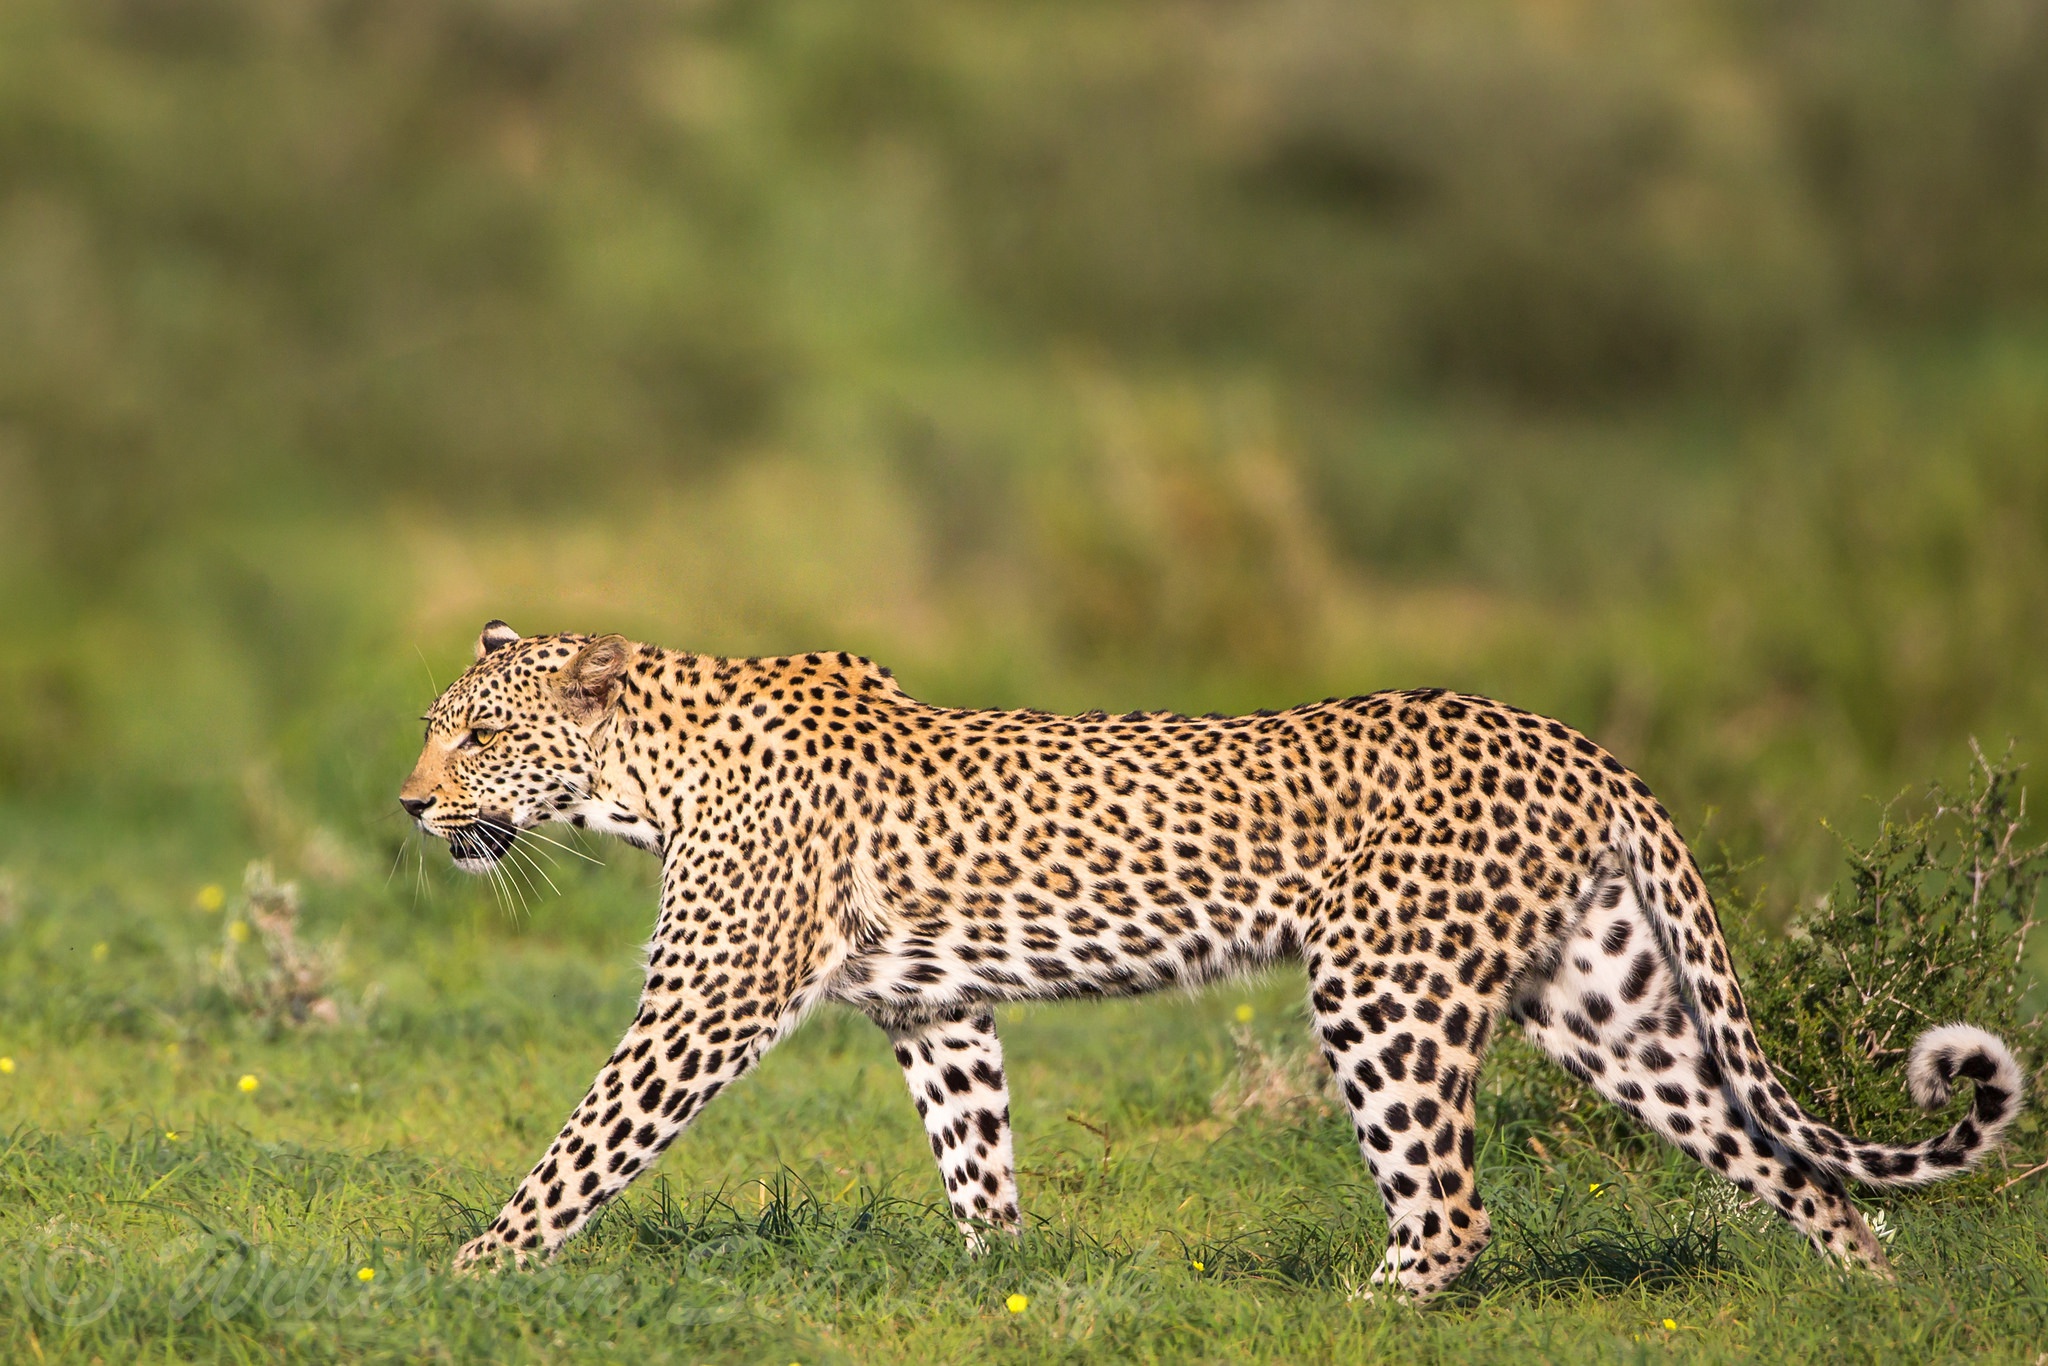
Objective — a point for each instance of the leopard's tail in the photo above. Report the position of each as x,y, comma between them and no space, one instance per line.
1669,887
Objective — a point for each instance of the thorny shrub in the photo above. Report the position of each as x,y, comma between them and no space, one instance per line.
1273,1081
1929,926
265,967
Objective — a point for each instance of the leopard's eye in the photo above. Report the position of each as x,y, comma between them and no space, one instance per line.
483,737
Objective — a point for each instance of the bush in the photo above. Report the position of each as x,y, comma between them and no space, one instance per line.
1929,927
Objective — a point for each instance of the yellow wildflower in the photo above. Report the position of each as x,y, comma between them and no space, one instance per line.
1017,1304
367,1274
248,1082
239,931
6,1067
210,898
1245,1013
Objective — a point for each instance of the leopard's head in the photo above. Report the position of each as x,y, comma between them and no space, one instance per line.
513,742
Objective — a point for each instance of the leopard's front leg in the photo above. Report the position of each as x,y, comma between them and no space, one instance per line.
725,979
662,1075
953,1062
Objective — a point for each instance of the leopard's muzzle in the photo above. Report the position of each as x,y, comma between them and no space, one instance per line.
476,846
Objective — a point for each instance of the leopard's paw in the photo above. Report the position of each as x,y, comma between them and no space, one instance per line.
489,1252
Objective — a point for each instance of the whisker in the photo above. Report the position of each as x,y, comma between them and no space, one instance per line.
515,872
539,848
507,893
428,667
497,894
496,863
532,851
578,853
459,845
522,852
517,881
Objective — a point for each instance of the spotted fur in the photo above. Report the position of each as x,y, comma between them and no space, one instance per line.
1436,861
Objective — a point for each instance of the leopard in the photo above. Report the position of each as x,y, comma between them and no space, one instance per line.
1440,864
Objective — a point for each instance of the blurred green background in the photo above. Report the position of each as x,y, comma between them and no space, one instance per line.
1680,370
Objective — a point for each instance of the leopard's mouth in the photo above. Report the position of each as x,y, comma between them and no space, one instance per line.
476,846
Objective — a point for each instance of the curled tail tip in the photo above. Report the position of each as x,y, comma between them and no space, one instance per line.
1947,1052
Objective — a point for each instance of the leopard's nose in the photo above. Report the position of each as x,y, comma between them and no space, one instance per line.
415,805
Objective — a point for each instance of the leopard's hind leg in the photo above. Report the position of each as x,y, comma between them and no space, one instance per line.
1609,1012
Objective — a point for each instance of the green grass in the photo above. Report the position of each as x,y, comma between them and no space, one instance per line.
152,1209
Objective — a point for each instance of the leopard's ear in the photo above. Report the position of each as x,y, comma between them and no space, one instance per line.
590,681
497,635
